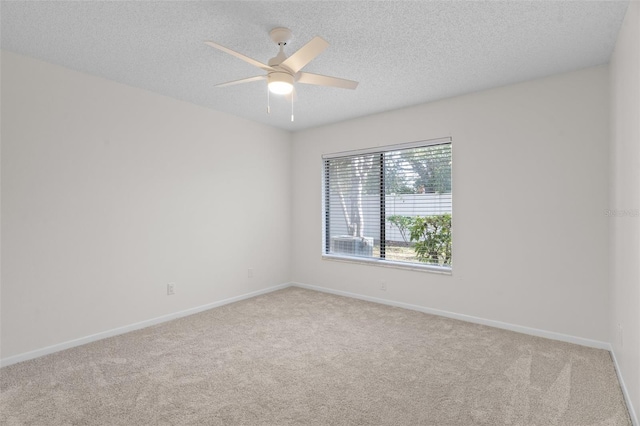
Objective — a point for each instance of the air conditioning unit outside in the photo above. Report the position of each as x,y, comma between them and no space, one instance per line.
354,246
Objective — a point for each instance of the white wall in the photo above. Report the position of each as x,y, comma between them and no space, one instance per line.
625,196
530,185
109,192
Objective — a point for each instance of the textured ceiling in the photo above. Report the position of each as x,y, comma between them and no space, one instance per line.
402,53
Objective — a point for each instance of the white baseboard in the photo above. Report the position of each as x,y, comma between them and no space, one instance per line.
127,328
632,412
476,320
492,323
498,324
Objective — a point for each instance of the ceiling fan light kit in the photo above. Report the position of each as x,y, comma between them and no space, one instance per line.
280,83
282,71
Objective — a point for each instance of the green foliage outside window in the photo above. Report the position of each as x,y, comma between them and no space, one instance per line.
430,236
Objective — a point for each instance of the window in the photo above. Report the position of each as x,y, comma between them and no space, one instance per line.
390,205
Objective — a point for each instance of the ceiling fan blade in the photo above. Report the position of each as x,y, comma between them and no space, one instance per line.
325,80
240,56
243,80
305,54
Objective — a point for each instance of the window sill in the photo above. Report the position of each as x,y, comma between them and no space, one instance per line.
389,264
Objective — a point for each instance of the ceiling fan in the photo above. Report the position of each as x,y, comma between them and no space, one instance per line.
282,71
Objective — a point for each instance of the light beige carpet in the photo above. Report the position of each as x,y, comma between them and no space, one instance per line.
300,357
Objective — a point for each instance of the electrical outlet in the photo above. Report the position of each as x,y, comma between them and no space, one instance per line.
383,286
250,273
171,289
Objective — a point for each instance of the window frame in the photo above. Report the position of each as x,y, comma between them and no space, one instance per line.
447,270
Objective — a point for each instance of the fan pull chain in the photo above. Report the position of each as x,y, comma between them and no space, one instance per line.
268,101
292,107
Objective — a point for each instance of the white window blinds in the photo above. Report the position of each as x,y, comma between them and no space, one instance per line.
390,204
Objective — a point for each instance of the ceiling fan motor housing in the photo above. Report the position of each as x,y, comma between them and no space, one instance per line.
278,59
